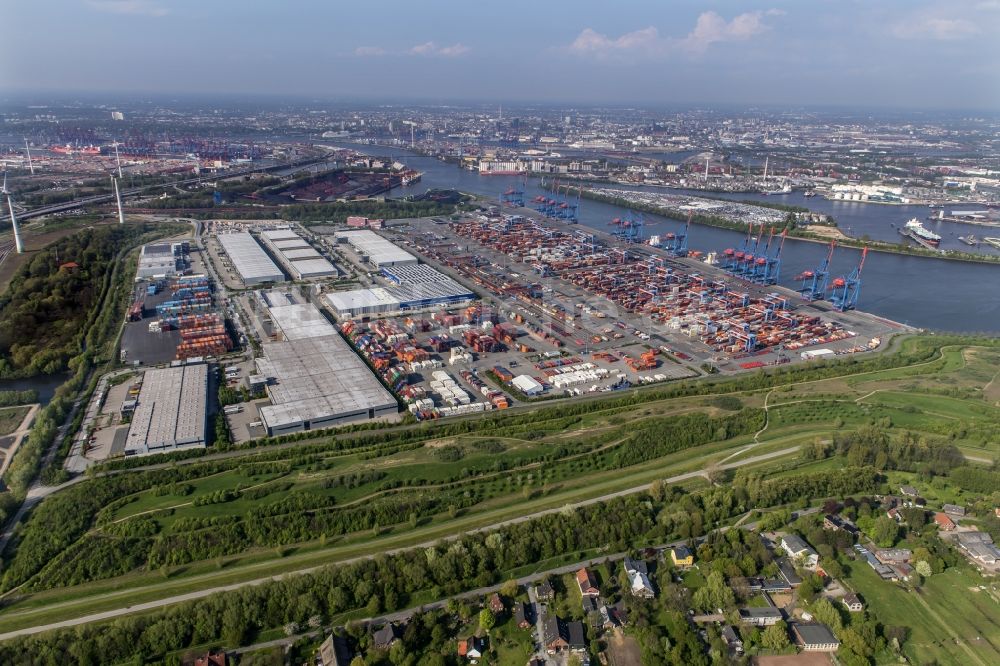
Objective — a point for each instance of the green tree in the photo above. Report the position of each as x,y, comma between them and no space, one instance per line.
885,531
714,594
487,620
509,589
775,637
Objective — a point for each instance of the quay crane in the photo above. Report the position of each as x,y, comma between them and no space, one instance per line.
513,196
734,257
568,209
755,271
772,265
746,265
846,290
679,241
814,283
631,228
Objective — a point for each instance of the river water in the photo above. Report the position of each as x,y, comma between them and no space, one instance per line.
921,291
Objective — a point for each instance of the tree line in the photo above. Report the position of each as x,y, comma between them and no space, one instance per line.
381,584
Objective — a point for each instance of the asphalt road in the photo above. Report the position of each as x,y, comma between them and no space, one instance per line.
200,594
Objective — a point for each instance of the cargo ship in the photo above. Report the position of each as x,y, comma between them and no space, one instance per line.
410,177
913,229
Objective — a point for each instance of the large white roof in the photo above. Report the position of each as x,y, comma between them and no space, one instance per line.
249,258
378,250
317,375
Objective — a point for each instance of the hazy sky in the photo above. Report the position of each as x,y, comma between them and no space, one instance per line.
920,53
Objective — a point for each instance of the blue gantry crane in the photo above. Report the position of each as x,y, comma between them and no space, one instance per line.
759,264
679,241
734,257
513,196
745,267
844,291
631,227
813,284
772,265
568,208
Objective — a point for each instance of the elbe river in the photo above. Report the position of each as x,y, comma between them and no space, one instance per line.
925,292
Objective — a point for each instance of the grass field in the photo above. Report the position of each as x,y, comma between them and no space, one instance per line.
954,619
477,479
11,417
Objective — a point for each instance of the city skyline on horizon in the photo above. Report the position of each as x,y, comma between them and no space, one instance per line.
896,54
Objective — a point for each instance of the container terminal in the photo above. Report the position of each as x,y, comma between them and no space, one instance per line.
445,317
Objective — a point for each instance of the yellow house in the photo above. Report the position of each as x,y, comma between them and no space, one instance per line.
682,556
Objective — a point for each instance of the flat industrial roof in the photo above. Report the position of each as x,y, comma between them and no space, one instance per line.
301,253
422,283
313,267
278,234
362,298
317,375
289,243
378,250
249,258
171,410
299,321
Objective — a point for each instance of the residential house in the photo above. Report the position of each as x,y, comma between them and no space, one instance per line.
544,591
609,618
732,639
894,514
335,652
588,586
212,658
385,636
555,635
908,491
472,647
638,576
884,572
944,523
761,617
787,571
681,556
577,637
835,522
800,551
892,556
853,603
954,510
524,614
902,571
815,637
496,604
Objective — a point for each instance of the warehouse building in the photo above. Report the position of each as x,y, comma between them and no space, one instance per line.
374,249
314,379
160,260
416,288
296,256
171,412
421,286
363,302
249,259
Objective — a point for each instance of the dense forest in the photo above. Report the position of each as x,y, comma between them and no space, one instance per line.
50,299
